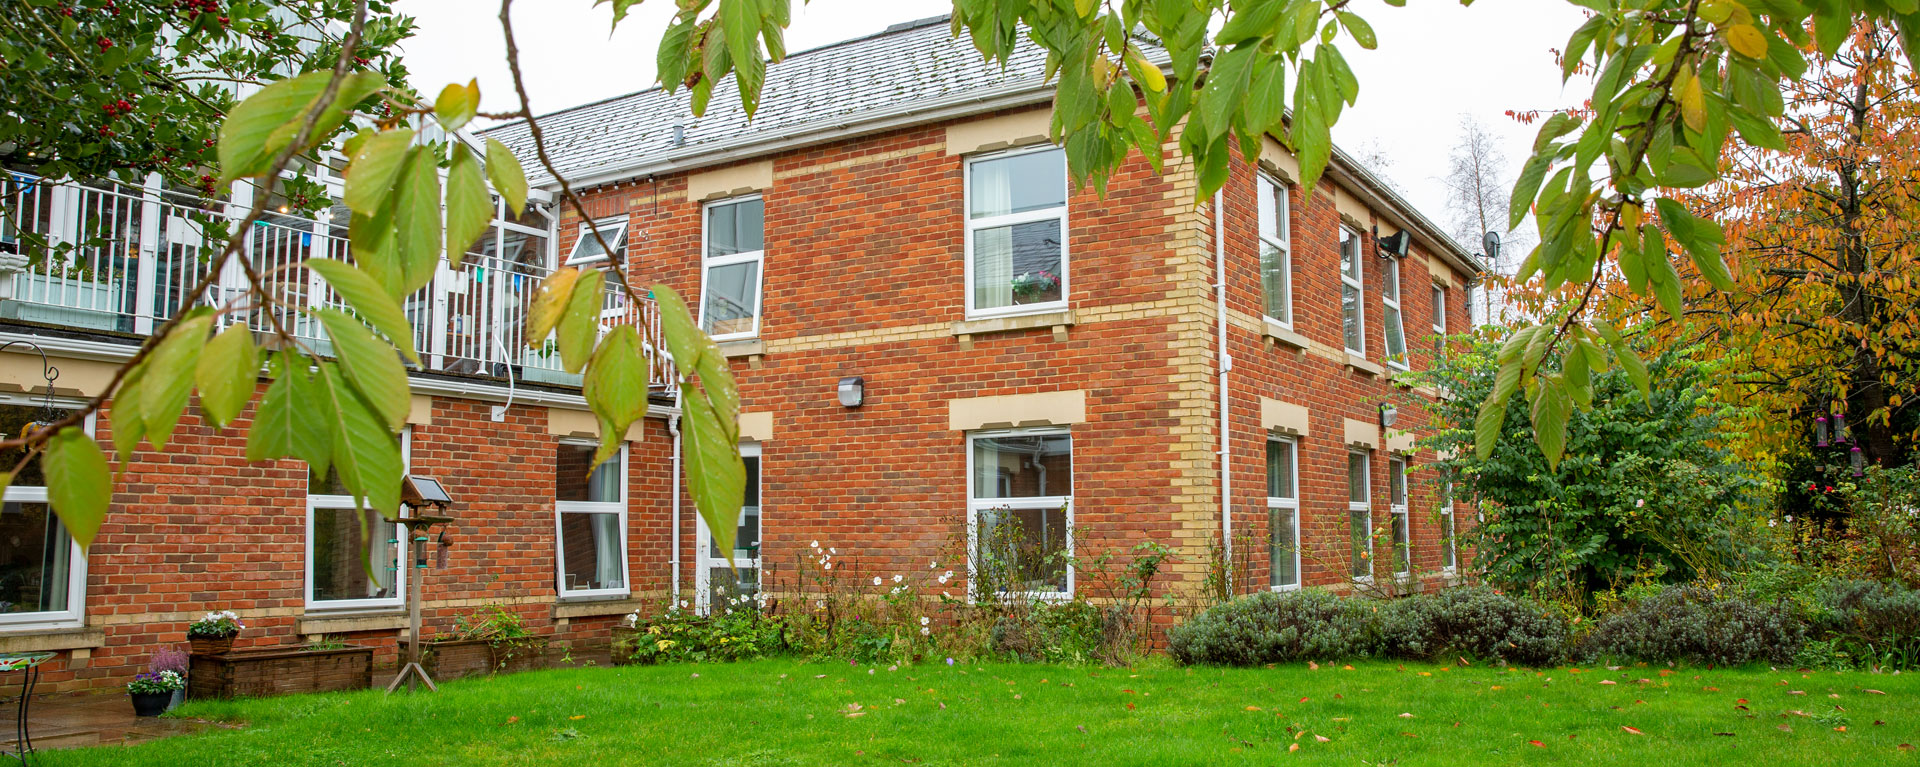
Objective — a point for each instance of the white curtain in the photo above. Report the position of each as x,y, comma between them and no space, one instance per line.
607,556
992,193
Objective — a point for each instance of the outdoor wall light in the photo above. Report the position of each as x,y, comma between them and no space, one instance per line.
1394,246
852,391
1388,415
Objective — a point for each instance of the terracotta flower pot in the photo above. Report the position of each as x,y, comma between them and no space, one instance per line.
150,703
210,645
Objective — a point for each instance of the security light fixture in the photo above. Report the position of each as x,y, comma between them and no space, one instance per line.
1388,415
852,391
1395,246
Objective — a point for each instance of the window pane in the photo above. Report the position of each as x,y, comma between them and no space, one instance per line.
577,479
1349,253
1356,478
1273,282
15,420
1350,315
1397,482
35,559
525,249
592,549
1402,543
587,247
1448,555
1280,551
732,589
342,549
1273,210
1439,309
1396,333
1361,523
1038,466
1022,550
1017,265
732,296
1390,281
1279,469
736,228
1018,183
746,538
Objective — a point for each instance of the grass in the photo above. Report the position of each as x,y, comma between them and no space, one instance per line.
784,712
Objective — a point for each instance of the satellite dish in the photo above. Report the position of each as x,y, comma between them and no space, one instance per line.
1492,244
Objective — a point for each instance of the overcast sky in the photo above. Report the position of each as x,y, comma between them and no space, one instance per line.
1436,62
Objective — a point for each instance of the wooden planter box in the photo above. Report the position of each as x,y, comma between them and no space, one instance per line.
279,671
450,659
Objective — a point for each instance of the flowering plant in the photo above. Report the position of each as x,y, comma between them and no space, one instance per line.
151,682
168,659
1031,284
218,625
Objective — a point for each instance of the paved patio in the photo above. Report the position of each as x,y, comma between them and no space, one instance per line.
70,721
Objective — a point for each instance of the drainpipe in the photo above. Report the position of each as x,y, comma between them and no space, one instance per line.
673,427
1226,364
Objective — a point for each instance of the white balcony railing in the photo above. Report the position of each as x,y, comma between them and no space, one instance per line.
107,257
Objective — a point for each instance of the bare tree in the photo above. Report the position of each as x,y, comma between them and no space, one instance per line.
1478,190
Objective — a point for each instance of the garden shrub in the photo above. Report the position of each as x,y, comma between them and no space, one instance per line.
1275,628
1063,632
1476,621
1699,625
682,636
1869,621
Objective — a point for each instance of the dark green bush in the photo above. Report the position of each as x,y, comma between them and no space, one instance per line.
1276,628
1873,622
1476,621
1699,625
682,636
1063,632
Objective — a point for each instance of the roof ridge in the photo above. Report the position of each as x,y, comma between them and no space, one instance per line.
902,27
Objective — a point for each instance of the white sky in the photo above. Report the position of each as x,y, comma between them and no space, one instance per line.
1436,61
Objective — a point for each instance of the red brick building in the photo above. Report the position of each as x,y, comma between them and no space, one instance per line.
936,338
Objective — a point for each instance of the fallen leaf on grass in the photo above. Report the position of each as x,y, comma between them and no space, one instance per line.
1406,716
1253,708
1303,700
1841,728
1906,747
1785,728
1631,730
510,720
1321,738
1608,681
1409,734
1740,700
1312,666
1346,668
1724,734
577,717
1129,706
1081,727
1537,743
1873,692
1711,689
1877,723
1292,747
1796,692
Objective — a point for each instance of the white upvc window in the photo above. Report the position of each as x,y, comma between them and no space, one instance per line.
344,544
1439,310
1360,514
1449,550
1397,508
733,262
590,522
1016,231
1396,326
1020,512
1276,253
1352,274
1283,514
43,573
587,250
737,584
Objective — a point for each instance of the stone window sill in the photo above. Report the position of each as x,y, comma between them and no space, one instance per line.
1058,321
590,608
350,622
1279,334
1362,365
56,639
745,347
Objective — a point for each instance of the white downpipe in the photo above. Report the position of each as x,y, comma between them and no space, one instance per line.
1226,364
673,427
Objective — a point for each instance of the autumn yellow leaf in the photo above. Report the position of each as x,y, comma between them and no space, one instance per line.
1747,40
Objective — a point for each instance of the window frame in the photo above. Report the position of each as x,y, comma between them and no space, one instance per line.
1363,507
1048,503
1357,282
1449,535
619,507
1393,314
1439,309
703,540
618,241
758,257
1290,504
1397,513
76,613
972,225
317,502
1272,188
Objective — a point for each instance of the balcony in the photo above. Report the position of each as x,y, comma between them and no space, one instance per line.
118,259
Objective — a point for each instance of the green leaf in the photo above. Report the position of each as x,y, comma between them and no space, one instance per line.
580,323
79,486
716,478
228,373
1552,407
416,220
469,207
741,20
168,378
371,175
616,388
503,169
1487,424
1527,187
370,301
370,364
549,303
260,128
694,352
1362,31
457,105
620,8
290,422
366,455
129,424
1701,237
1636,369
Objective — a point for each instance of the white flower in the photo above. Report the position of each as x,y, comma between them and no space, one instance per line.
1640,503
943,579
924,620
816,544
833,551
683,603
876,580
1773,523
1789,517
828,565
820,604
924,631
932,565
897,578
869,672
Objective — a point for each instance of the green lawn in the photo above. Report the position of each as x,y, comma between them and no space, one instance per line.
793,713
